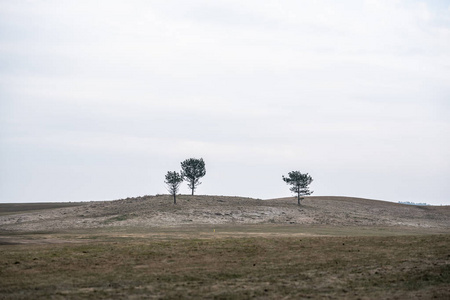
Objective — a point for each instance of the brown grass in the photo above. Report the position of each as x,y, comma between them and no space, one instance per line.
159,211
116,266
140,248
14,208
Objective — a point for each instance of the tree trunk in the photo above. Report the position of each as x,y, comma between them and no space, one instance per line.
174,198
298,199
193,187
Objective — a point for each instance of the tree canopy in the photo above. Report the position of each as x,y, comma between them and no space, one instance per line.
173,181
299,184
192,170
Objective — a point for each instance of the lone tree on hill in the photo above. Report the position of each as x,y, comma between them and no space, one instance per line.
173,181
299,184
192,170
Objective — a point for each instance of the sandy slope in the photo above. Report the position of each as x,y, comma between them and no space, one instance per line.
159,211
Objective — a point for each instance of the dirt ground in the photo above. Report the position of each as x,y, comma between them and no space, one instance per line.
160,212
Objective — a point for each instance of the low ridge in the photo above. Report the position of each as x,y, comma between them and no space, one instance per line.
159,211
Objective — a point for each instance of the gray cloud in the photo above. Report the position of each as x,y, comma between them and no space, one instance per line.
99,101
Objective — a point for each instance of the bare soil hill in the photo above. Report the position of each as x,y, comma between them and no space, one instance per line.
159,211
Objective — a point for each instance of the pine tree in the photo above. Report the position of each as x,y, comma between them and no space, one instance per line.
299,184
192,170
173,181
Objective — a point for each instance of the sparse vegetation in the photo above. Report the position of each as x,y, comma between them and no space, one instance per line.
158,211
227,248
405,267
118,218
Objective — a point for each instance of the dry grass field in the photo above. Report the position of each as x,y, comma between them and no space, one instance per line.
226,248
15,208
159,211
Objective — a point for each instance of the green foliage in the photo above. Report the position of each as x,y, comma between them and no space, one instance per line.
117,218
192,170
173,181
299,184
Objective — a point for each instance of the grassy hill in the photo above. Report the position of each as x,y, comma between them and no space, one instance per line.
217,247
159,211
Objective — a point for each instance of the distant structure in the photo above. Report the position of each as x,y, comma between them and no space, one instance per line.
413,203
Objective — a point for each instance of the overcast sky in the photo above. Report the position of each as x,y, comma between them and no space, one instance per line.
99,99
